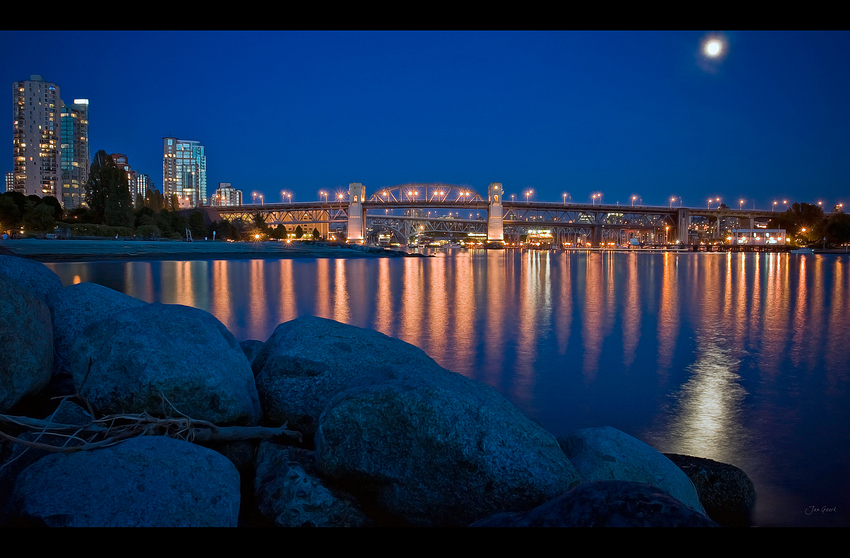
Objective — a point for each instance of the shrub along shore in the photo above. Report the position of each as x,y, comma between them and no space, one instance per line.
164,419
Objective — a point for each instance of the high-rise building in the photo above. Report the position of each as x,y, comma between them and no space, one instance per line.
226,196
36,107
184,171
75,153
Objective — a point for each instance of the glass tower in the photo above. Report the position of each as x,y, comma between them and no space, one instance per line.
184,171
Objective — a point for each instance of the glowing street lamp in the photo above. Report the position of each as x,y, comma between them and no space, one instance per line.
774,207
323,193
740,204
671,202
633,200
527,194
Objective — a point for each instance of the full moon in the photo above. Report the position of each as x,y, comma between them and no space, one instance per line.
713,47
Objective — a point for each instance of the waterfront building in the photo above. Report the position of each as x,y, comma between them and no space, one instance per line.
184,171
74,148
36,113
143,184
226,196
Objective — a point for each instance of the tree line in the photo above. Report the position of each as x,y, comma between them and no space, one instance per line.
111,211
806,224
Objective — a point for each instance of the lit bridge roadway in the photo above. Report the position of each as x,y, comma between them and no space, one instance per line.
448,211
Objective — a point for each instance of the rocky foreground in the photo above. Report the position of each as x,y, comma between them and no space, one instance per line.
171,422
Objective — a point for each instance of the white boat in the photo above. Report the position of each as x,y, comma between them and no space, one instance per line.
803,251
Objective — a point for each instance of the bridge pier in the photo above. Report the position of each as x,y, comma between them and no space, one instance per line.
356,214
683,222
495,222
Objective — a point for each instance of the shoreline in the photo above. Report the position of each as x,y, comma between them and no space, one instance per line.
51,251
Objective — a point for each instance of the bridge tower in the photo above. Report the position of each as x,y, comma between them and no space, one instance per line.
356,215
495,223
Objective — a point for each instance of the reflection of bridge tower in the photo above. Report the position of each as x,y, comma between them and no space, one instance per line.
356,215
495,223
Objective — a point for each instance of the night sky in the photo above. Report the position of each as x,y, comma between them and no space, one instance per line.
621,113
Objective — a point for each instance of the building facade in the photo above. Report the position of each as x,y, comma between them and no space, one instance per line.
184,171
75,153
36,109
226,196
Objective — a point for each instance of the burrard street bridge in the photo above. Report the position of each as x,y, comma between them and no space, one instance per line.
444,211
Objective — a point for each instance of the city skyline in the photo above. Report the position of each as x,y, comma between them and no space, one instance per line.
646,114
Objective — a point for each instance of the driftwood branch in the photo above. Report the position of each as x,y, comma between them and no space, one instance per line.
113,429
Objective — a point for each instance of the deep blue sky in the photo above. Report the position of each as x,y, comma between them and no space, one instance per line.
620,113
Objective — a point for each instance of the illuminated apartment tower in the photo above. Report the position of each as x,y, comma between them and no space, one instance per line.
226,196
75,152
184,171
35,142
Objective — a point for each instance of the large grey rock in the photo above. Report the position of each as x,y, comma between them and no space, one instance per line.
26,343
251,347
31,275
725,491
439,450
149,481
165,360
21,456
76,306
605,453
606,504
308,360
290,493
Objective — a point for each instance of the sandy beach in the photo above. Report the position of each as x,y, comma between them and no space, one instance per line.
103,250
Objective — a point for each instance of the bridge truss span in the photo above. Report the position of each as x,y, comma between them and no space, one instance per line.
436,193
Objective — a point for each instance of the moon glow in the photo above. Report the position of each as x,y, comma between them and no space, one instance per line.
713,47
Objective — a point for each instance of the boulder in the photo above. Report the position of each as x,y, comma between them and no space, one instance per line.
167,360
606,453
26,343
76,306
251,347
308,360
19,456
439,450
30,275
290,494
148,481
725,491
606,504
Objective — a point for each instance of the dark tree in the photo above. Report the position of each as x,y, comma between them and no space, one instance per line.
10,214
837,230
197,225
316,234
108,194
39,219
299,232
58,212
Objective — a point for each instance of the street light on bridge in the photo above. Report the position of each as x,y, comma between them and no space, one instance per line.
740,204
527,194
323,193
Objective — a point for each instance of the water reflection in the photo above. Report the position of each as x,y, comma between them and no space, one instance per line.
735,357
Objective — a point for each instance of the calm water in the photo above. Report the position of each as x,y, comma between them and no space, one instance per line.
741,358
